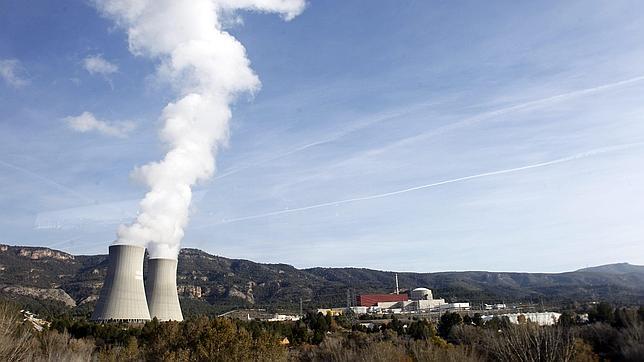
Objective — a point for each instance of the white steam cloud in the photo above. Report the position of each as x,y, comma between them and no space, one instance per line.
209,68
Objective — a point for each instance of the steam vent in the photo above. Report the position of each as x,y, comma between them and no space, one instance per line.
123,293
161,289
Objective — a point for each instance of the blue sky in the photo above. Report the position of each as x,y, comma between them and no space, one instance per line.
416,135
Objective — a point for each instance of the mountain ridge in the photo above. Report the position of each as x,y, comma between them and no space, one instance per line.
614,268
211,281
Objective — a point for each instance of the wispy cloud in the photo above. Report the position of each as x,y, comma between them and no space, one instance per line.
12,72
96,64
87,122
488,116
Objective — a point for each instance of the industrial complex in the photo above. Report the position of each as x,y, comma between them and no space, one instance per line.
419,300
127,296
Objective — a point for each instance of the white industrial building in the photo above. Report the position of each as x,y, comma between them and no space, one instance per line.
423,300
542,318
455,306
495,306
283,318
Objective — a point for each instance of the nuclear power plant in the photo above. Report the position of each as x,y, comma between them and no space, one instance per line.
123,297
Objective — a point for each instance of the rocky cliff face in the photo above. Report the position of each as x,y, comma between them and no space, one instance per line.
35,254
191,291
40,293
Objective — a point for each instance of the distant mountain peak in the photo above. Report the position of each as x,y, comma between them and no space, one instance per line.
617,268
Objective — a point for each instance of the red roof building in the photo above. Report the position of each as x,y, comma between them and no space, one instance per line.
370,300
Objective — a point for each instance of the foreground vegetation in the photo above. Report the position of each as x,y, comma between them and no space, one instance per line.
611,333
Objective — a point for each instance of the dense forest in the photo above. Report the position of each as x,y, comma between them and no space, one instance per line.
608,333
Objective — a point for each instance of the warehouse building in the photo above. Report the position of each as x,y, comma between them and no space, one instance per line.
372,300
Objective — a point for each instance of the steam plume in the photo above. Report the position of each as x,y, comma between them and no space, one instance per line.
208,68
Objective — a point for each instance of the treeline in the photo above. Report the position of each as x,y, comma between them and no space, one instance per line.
609,333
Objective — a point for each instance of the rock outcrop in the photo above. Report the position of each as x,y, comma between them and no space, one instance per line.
40,293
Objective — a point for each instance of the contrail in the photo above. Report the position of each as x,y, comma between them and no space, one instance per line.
48,181
440,130
577,156
331,138
517,107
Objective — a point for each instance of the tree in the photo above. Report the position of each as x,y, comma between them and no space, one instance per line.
567,319
15,339
396,325
447,321
530,342
477,320
467,320
603,312
497,323
421,329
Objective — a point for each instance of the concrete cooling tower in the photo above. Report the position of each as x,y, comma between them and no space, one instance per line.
123,293
161,289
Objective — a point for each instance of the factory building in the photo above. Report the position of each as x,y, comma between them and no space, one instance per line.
371,300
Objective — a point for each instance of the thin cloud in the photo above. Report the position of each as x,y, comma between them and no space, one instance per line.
87,122
11,71
96,64
487,116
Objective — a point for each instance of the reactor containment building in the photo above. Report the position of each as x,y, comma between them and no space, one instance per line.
124,296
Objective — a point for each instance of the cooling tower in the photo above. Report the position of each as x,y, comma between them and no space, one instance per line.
161,289
123,293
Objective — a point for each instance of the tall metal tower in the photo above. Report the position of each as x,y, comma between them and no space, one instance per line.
397,290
